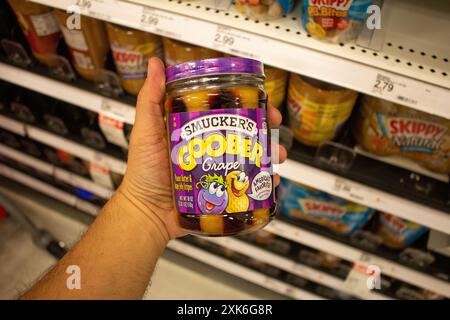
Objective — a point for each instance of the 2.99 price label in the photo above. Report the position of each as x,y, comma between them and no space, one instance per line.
237,42
149,19
223,39
84,4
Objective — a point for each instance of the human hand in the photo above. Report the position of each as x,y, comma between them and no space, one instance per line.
147,181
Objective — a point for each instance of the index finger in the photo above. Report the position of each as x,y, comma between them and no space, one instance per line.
274,116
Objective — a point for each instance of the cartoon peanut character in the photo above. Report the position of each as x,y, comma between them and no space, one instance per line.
237,185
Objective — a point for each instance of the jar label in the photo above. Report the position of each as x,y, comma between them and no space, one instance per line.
75,39
132,62
41,31
45,24
221,161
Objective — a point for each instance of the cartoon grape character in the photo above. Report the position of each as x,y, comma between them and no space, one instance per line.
213,198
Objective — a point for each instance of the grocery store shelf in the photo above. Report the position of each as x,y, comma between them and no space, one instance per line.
67,92
240,271
176,245
292,266
404,163
61,174
48,190
294,170
12,125
58,142
365,195
76,149
352,254
411,58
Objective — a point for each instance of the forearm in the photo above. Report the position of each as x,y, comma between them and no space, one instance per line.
116,256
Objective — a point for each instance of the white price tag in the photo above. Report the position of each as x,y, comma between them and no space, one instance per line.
149,19
99,9
357,280
408,92
84,4
161,22
349,190
237,42
366,258
383,85
113,130
112,110
100,175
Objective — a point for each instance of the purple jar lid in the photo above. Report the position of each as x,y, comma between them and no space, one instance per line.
214,66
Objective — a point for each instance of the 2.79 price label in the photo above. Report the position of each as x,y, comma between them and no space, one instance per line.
383,84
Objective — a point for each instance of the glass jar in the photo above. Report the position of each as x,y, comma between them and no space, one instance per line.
220,146
317,110
131,50
40,28
88,46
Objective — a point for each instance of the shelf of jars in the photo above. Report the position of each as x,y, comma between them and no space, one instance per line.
399,62
279,255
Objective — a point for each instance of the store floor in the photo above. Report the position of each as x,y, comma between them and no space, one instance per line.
176,276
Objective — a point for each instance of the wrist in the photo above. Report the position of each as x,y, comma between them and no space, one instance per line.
145,215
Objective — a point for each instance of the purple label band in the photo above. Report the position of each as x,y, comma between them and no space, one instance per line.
214,66
221,161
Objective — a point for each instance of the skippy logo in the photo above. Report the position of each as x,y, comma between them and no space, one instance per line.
129,61
415,135
395,224
321,208
337,4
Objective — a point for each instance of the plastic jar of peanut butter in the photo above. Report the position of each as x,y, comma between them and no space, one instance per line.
88,45
40,28
131,50
220,146
275,85
317,110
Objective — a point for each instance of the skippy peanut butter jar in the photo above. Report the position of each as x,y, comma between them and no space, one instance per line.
220,146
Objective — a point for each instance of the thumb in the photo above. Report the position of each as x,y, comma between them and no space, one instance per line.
149,107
